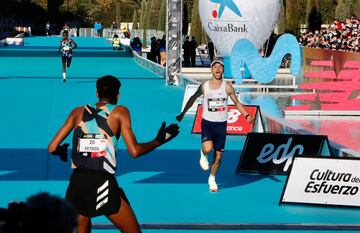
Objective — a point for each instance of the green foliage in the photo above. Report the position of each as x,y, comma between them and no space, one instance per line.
292,21
80,7
196,27
42,3
185,19
53,7
343,9
146,16
135,19
282,20
356,8
301,7
142,14
162,16
153,17
309,6
292,13
327,10
189,5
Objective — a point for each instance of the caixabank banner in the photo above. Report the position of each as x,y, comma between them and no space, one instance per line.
323,181
273,153
236,123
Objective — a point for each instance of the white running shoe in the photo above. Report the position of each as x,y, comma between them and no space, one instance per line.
212,184
204,163
64,77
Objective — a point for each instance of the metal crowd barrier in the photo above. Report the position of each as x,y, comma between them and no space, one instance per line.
147,64
87,32
109,33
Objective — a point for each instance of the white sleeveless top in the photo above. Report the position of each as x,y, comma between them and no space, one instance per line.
215,103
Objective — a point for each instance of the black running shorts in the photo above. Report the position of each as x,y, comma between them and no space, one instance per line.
215,132
67,59
94,193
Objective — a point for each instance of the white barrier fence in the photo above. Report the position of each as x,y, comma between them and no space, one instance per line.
109,33
87,32
154,67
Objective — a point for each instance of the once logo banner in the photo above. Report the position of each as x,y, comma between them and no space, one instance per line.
324,181
236,123
273,153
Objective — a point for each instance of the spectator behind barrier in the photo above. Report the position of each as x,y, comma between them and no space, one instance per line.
41,213
116,43
343,36
136,45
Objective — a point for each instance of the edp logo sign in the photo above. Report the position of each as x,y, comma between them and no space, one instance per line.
273,153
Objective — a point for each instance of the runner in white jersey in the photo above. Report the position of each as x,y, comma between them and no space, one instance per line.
214,118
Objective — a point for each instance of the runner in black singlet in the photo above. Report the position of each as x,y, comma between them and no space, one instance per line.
93,189
67,45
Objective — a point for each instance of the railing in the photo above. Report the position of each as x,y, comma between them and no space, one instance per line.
73,32
147,64
109,33
265,88
184,80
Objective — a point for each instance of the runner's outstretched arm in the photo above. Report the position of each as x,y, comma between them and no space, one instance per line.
190,103
136,149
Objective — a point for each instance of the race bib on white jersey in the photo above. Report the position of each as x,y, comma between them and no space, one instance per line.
217,104
93,145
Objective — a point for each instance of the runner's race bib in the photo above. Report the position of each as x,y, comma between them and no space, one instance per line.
92,145
217,104
66,48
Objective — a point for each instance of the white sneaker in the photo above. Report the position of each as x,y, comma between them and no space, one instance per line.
204,163
212,184
64,77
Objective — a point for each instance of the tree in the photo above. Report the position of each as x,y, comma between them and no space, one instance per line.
282,18
313,15
100,8
301,7
292,21
135,19
153,14
80,8
145,24
185,19
343,9
187,15
327,10
118,12
309,6
53,7
162,16
142,14
42,3
189,4
196,27
356,8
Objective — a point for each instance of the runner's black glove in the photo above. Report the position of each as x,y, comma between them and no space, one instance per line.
165,134
179,117
61,151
